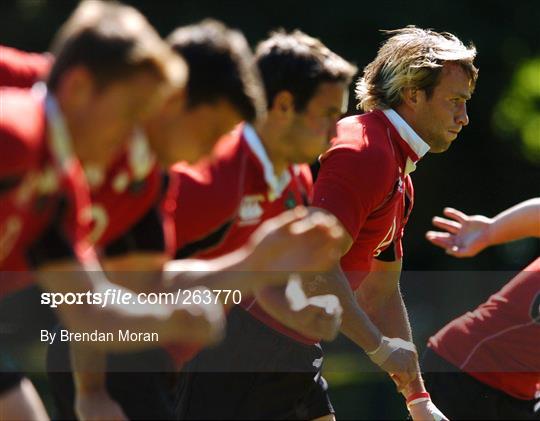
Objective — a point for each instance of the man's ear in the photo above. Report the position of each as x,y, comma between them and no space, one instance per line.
77,87
413,97
174,103
283,105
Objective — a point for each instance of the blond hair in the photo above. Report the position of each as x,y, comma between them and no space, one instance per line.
411,58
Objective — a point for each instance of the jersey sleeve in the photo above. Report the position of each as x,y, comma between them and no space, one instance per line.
22,69
21,132
196,205
349,186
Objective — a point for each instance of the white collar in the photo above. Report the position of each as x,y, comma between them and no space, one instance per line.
276,184
419,147
407,133
140,157
61,144
59,139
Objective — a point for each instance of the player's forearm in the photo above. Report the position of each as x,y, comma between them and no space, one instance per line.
358,327
390,316
238,270
356,324
519,221
392,319
89,369
92,399
136,271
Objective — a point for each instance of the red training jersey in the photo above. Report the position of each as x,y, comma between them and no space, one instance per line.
217,204
21,69
499,342
364,181
122,196
45,199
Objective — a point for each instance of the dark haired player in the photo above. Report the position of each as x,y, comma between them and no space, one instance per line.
256,172
46,142
224,90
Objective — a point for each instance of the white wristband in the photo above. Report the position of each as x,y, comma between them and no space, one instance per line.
383,351
376,349
418,400
387,347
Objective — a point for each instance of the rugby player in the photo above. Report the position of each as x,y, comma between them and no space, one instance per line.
45,142
17,69
414,93
222,90
486,363
268,366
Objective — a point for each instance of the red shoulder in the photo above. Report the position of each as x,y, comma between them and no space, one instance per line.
205,195
22,131
362,149
22,69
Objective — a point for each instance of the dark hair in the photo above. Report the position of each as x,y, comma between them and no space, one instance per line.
221,66
112,41
298,63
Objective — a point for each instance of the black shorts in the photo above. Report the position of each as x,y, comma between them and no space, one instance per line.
461,397
255,373
143,383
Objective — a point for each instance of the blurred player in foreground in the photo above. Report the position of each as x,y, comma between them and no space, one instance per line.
486,363
269,365
414,93
103,83
223,89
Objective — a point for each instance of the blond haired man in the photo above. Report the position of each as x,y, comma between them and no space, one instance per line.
414,93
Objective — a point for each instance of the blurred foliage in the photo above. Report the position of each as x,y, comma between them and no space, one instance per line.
518,112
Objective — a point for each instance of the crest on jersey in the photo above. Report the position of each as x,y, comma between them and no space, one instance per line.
400,185
250,209
290,202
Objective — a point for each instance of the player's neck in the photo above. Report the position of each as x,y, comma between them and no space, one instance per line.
271,141
407,114
80,133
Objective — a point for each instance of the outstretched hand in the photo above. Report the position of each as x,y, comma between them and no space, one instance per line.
463,235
